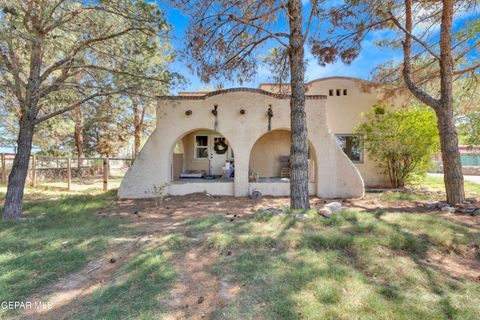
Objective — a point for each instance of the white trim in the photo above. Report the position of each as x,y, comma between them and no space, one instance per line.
195,147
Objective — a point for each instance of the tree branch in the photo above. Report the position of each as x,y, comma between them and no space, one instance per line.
276,36
314,5
417,92
409,33
83,46
470,69
74,105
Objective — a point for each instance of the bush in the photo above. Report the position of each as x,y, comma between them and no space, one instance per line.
402,142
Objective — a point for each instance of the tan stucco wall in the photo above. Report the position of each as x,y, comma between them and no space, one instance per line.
267,150
343,113
177,165
337,176
265,154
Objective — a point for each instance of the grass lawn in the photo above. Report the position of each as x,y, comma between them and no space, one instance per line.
352,266
370,264
39,252
436,183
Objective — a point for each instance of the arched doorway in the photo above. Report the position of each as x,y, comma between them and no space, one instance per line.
202,155
269,158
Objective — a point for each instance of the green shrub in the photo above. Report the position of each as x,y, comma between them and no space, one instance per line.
402,141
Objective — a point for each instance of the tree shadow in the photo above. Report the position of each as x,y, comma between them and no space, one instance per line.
60,236
274,280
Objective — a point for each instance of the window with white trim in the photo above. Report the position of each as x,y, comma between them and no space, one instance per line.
352,146
201,147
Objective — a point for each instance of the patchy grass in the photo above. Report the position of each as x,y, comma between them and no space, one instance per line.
350,266
406,196
63,238
431,183
353,265
145,282
436,183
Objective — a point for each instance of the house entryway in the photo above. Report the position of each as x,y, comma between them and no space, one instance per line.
203,156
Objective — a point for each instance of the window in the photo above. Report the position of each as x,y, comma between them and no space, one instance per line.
330,92
338,92
351,145
344,92
201,147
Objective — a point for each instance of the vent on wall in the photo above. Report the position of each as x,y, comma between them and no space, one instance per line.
337,92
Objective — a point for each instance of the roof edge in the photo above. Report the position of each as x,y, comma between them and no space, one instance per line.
224,91
322,79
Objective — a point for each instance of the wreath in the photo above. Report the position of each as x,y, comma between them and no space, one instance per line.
220,147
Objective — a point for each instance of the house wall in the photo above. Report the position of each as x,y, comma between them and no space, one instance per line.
267,150
336,175
177,165
344,114
264,157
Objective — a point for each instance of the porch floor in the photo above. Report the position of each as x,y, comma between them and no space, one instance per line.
201,180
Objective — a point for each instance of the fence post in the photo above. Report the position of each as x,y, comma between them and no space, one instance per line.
34,171
4,169
106,172
69,174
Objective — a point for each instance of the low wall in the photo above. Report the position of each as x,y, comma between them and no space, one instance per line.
467,170
474,171
276,189
216,188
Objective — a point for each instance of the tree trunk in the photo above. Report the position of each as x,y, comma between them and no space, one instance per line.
16,180
78,137
443,107
138,118
452,166
298,120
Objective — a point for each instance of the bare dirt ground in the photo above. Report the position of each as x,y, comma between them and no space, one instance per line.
67,294
198,292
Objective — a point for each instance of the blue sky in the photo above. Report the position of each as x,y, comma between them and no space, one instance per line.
370,56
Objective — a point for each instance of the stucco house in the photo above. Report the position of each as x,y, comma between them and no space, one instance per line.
234,141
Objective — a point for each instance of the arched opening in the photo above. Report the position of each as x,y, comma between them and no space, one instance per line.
269,158
203,155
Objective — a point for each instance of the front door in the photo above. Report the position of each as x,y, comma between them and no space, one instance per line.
217,158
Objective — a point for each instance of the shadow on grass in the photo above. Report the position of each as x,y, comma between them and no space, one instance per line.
141,287
60,237
352,265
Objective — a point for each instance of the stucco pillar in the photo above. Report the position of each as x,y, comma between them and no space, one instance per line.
240,186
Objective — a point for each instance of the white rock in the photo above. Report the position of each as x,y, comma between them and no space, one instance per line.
325,211
301,216
334,206
430,205
448,209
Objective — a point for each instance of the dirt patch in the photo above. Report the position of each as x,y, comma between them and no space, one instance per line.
463,219
455,265
66,295
198,292
195,295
